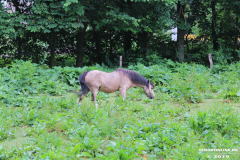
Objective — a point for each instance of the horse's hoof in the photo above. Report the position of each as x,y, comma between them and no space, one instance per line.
96,106
79,103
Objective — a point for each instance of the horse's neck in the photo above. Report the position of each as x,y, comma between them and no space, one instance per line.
137,85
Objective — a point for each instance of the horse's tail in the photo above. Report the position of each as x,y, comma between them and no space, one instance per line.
84,87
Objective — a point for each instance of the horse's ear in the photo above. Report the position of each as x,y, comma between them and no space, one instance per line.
148,81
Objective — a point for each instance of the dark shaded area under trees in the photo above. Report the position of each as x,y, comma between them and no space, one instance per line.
78,33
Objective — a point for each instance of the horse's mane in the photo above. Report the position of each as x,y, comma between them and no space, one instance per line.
134,77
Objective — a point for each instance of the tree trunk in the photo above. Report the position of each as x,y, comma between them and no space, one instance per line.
235,53
145,39
111,45
35,57
180,32
53,48
97,45
80,45
19,55
149,38
127,41
214,35
187,44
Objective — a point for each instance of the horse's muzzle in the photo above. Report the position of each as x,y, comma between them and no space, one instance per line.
151,97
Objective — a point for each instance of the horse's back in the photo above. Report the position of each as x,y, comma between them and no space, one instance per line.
106,82
93,78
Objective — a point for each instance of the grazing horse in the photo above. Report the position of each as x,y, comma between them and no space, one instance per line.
118,80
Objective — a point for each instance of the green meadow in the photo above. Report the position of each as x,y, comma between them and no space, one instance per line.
194,108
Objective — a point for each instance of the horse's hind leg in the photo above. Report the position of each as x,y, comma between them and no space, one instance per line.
94,97
80,97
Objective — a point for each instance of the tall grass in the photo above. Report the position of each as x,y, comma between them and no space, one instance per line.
40,119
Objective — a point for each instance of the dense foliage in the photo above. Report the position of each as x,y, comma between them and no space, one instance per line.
181,81
36,125
90,32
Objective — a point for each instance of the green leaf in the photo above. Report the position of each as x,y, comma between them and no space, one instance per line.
238,93
77,25
76,149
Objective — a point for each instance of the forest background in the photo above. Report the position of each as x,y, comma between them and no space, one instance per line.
79,33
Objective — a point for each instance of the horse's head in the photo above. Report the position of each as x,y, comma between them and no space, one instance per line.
148,90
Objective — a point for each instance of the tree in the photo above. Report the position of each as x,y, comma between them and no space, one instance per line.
218,23
180,30
13,24
78,12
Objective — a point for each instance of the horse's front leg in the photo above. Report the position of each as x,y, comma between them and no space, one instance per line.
92,97
123,92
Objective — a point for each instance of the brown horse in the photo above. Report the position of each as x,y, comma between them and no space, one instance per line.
118,80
